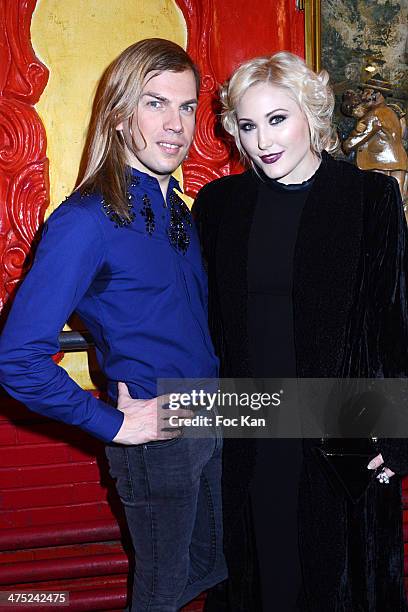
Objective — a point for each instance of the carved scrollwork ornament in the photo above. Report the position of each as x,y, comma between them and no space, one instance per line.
24,182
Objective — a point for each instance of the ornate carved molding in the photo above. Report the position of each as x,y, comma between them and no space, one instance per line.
209,157
24,187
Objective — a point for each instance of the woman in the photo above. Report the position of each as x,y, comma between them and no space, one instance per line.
306,259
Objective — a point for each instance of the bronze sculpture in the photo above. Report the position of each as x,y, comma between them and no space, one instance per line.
377,136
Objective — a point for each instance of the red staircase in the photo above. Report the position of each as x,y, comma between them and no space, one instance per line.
60,518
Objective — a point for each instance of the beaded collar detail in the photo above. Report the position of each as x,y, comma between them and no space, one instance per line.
180,217
115,217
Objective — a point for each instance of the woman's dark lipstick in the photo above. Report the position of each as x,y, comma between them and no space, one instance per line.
271,159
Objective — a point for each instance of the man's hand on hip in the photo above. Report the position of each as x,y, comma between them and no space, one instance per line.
145,419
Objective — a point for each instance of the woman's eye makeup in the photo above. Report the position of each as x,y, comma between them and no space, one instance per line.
247,126
276,119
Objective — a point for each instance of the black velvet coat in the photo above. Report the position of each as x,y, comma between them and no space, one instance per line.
350,320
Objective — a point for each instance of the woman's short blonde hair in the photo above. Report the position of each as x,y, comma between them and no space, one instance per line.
310,90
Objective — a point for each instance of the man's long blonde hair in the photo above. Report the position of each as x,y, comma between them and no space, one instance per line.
104,165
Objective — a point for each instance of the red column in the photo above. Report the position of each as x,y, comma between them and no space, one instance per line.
221,35
24,188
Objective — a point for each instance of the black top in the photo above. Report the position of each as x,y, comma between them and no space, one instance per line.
272,244
270,272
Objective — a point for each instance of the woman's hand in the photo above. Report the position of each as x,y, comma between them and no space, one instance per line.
377,462
145,419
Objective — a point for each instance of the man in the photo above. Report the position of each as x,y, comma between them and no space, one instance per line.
122,251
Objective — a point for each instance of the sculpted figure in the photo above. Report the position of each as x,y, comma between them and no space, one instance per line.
377,136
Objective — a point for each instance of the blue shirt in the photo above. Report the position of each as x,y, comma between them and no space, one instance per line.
140,289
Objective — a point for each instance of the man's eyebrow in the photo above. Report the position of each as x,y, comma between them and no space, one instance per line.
152,94
192,101
161,98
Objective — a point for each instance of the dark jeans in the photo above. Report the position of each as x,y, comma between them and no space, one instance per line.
171,491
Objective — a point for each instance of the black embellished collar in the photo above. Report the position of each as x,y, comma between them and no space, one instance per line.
180,219
179,214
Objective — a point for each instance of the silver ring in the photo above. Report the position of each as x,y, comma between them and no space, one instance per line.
383,477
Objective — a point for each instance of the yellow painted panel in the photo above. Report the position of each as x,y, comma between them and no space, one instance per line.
76,40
